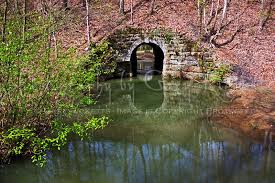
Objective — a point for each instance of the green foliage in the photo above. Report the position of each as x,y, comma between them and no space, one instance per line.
40,82
19,137
218,74
254,126
201,2
22,140
265,14
98,64
35,85
168,36
192,46
145,47
129,30
196,46
202,64
165,33
100,59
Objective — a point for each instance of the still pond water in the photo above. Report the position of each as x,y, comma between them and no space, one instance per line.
159,134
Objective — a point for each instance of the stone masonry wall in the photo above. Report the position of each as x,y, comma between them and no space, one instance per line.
182,57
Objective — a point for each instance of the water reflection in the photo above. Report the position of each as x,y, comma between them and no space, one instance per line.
111,161
146,77
157,95
155,136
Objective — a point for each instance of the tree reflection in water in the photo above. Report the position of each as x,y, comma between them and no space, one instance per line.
164,142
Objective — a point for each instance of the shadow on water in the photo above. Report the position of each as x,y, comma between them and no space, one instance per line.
159,133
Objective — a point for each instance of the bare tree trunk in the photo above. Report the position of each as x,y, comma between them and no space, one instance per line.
261,24
212,8
132,16
199,8
25,19
212,27
50,14
5,21
65,4
121,6
16,6
152,7
204,14
225,5
88,24
55,45
216,14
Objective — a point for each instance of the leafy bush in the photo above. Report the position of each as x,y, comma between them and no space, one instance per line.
101,59
35,85
218,74
23,140
32,83
39,83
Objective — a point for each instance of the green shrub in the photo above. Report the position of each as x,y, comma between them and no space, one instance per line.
35,85
218,74
40,83
101,59
23,140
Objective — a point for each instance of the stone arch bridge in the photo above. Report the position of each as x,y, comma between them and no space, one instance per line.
175,56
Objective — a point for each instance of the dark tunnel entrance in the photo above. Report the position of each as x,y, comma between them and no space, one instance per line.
147,58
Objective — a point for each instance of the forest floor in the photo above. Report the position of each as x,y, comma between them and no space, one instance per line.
252,50
251,111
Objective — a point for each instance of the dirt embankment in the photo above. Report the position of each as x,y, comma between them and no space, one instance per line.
251,50
252,112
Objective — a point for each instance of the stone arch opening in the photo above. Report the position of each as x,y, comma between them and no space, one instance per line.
154,68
